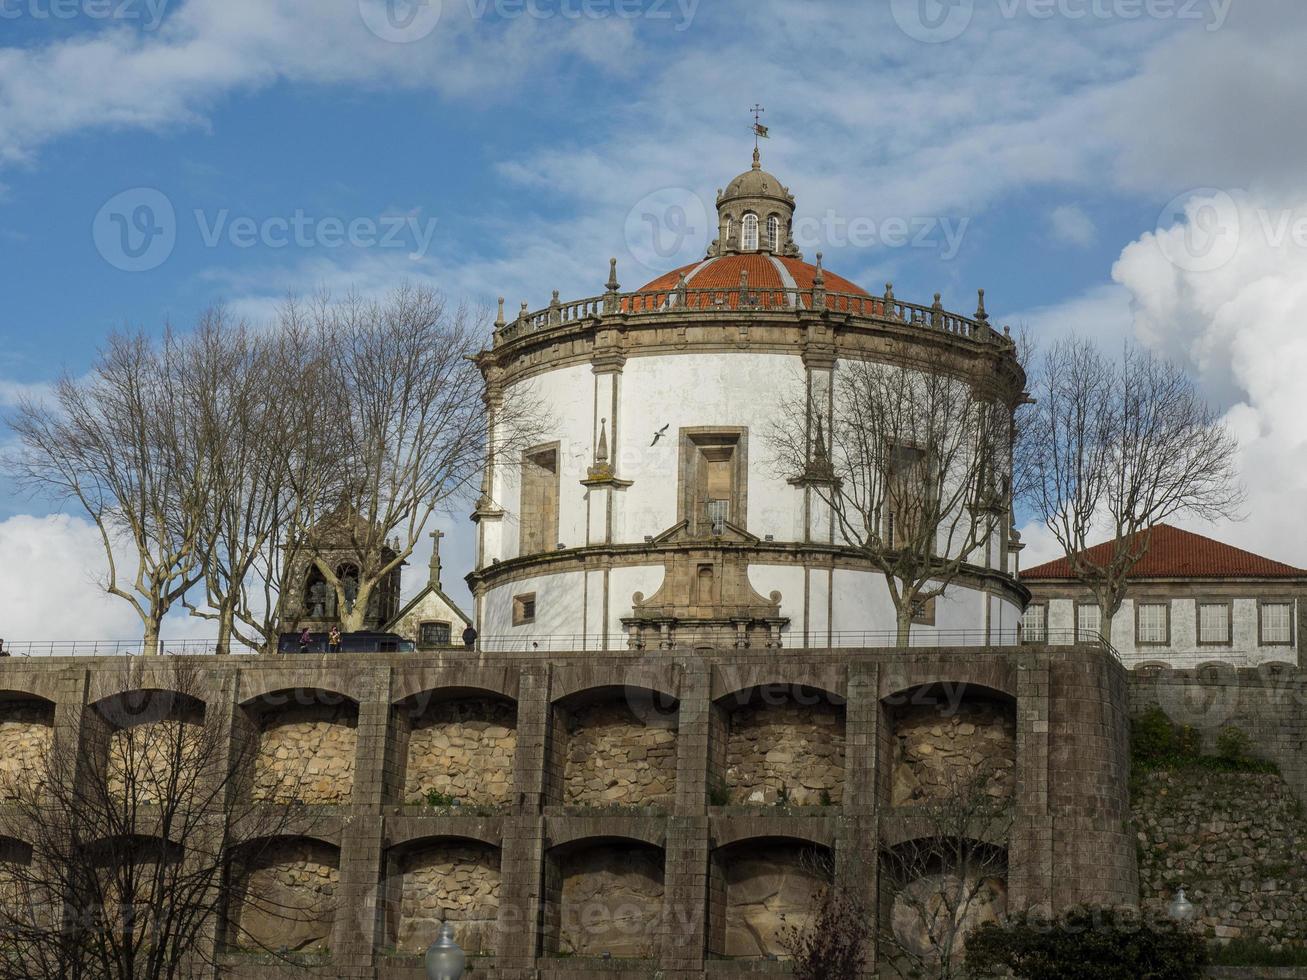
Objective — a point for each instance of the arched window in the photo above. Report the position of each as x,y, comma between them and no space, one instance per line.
773,234
750,242
727,228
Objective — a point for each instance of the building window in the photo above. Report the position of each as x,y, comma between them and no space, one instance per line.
1153,623
713,477
1214,628
1275,623
1034,623
433,635
906,495
728,226
1089,622
923,612
524,609
750,242
773,234
539,517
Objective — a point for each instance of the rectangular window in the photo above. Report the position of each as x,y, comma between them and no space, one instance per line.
1153,623
1089,622
1214,623
923,612
433,635
713,483
1034,624
539,517
524,609
1276,623
906,495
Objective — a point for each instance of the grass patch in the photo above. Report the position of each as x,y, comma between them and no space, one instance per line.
1156,743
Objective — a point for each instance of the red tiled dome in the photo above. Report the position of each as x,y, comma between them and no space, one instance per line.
773,280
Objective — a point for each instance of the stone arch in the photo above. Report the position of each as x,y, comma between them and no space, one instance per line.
947,739
777,743
138,736
925,891
304,746
26,739
1153,665
430,880
283,894
614,746
760,887
951,671
1215,665
456,743
604,896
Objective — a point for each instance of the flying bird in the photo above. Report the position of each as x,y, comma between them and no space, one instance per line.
660,433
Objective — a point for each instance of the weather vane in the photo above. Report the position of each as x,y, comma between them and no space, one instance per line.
759,130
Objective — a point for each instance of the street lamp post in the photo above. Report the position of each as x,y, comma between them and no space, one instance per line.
445,960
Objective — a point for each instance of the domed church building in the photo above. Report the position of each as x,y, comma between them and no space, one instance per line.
655,514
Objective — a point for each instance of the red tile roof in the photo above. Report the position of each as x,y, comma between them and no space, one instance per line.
723,272
1173,553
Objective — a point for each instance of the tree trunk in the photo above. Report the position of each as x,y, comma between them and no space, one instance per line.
352,621
150,642
1105,624
226,620
904,623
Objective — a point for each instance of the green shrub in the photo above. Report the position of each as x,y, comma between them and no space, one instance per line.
719,794
1085,945
1152,736
1253,952
436,798
1233,744
1188,743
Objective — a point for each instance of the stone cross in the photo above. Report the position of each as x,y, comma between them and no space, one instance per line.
435,557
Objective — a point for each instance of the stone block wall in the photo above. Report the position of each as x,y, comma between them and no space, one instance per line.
306,753
940,747
462,748
1237,842
289,900
370,872
615,758
769,890
447,881
791,751
144,757
610,900
26,734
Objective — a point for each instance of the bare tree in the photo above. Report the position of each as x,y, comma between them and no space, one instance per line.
410,433
836,941
1117,448
256,404
115,442
948,879
914,464
140,837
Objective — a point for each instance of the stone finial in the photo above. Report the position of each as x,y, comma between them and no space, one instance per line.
523,312
820,277
757,159
499,319
889,292
601,453
613,285
939,304
981,314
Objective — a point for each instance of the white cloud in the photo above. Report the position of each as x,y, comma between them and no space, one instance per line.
1071,226
1239,328
51,586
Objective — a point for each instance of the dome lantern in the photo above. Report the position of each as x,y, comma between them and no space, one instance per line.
755,213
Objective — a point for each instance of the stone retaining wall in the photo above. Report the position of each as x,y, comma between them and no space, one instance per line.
448,881
611,901
464,749
290,901
770,890
792,751
26,734
306,754
615,759
938,750
1237,842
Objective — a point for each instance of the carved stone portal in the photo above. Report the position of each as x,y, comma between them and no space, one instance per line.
706,599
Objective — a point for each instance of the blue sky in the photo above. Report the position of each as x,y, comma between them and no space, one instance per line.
1043,149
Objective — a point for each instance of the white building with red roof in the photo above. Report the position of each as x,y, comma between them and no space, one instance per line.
1192,602
653,514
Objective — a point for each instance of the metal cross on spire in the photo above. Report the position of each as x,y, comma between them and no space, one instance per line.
759,130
